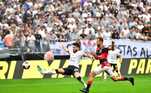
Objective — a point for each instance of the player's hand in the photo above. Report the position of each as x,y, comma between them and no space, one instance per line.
93,53
63,47
92,57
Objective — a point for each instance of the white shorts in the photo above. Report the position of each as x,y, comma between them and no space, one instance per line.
100,69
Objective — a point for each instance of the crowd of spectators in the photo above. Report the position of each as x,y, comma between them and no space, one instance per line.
35,24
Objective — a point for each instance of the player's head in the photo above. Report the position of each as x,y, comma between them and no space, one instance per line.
99,42
76,47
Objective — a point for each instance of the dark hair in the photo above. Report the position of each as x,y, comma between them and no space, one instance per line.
100,39
113,42
76,44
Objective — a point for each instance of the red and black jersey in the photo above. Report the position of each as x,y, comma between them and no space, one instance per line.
101,54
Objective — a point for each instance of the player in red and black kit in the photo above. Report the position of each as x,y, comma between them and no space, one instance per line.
101,54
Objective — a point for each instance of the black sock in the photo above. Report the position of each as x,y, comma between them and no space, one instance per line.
88,86
82,81
57,71
117,71
126,78
79,78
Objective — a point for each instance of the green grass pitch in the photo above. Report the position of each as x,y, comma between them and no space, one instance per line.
71,85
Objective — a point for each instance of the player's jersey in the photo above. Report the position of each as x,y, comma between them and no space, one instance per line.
113,55
102,54
75,58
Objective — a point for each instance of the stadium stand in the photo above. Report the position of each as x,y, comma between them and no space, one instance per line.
35,24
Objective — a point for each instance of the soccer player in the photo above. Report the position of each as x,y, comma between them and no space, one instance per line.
73,68
113,56
101,54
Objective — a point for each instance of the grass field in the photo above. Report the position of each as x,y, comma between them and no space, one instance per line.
70,85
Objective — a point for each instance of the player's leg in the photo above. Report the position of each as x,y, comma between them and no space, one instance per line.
77,75
89,82
91,77
117,71
114,67
114,78
123,78
60,70
44,71
118,68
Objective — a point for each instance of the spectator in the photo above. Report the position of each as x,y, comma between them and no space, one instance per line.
1,41
66,20
107,34
8,40
115,35
31,42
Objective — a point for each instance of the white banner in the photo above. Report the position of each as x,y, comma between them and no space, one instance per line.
134,49
128,48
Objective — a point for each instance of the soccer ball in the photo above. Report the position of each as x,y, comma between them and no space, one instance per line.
49,56
26,65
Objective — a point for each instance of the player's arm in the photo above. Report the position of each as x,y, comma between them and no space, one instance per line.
64,48
103,55
94,55
97,57
109,48
89,55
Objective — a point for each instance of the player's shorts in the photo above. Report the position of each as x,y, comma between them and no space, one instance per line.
70,70
113,65
105,66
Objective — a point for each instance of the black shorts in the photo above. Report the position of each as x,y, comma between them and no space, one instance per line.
70,70
114,66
